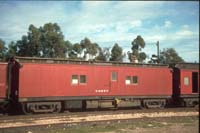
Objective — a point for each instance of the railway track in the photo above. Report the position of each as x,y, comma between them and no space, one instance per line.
88,116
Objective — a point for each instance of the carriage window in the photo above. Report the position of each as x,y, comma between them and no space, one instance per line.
83,79
128,80
114,76
131,80
186,81
74,79
135,80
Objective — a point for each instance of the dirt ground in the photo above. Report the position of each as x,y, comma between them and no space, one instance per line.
25,121
188,124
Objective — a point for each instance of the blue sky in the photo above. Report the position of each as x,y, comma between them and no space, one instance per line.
174,24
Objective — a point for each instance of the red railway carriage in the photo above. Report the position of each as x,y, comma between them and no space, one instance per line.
49,80
186,83
3,81
54,83
4,93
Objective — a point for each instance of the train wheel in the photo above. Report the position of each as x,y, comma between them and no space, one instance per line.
58,108
143,105
162,105
190,102
26,110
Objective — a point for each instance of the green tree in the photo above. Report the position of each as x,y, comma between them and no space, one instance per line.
68,48
142,56
104,54
23,47
3,50
75,51
29,45
34,44
12,49
85,42
46,41
170,55
137,44
89,48
52,39
116,53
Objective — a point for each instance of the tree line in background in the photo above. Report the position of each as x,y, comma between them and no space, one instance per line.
48,42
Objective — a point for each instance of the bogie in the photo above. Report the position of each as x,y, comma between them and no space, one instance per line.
154,103
41,107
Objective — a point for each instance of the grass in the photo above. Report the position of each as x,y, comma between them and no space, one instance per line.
123,126
86,129
117,126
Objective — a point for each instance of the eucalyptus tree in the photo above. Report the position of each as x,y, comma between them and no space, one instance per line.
169,55
89,48
116,53
137,45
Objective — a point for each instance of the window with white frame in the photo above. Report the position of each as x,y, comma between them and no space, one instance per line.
74,79
186,81
128,80
131,80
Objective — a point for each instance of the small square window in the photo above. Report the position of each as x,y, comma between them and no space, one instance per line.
114,76
186,81
83,79
135,80
74,79
128,80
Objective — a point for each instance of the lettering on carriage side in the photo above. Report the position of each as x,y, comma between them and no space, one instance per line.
101,91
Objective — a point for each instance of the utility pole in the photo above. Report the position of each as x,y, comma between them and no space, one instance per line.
158,54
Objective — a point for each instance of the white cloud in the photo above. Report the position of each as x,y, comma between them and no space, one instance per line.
184,33
137,23
90,18
168,24
15,22
185,26
87,28
124,26
154,38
